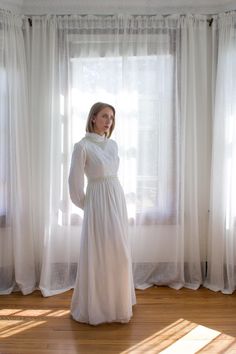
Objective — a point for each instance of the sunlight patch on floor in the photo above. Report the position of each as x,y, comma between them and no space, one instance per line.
14,321
58,313
9,312
32,313
184,336
192,342
15,327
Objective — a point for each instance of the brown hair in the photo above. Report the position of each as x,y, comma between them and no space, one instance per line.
94,110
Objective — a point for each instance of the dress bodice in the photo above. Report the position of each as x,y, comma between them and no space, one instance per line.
101,156
94,156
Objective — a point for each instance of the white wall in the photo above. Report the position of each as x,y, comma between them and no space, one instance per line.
117,6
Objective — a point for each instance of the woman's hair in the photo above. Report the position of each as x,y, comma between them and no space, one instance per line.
94,110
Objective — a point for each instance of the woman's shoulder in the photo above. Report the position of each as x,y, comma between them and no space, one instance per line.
80,145
113,145
81,142
112,142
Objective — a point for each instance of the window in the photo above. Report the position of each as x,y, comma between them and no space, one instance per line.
142,87
145,126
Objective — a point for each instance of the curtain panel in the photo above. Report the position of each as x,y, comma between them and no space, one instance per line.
222,226
17,257
160,73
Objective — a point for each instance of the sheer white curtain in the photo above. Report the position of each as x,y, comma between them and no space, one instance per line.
56,238
148,68
222,228
196,83
17,264
173,252
159,73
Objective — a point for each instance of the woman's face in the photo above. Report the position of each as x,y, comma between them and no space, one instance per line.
103,121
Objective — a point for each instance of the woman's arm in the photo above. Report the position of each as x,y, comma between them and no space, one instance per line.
76,175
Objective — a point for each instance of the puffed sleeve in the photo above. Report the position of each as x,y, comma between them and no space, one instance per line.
76,175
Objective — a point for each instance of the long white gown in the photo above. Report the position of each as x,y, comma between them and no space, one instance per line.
104,290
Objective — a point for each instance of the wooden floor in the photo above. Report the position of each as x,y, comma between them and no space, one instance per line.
164,321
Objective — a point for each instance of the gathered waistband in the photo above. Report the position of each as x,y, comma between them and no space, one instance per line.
102,178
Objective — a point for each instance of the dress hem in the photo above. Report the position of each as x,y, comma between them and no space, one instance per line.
122,321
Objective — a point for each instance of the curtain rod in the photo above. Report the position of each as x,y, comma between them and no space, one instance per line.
210,20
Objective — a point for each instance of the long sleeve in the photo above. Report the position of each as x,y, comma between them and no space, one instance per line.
76,175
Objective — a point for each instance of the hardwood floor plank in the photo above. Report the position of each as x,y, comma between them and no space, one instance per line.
164,320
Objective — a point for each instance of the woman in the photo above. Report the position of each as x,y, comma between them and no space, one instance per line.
104,290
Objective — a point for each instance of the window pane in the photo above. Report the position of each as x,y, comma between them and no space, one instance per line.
145,129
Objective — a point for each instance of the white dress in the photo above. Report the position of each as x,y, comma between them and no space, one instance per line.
104,290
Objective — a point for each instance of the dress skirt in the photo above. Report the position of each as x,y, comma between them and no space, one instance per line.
104,290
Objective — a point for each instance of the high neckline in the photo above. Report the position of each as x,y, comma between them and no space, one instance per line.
96,137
